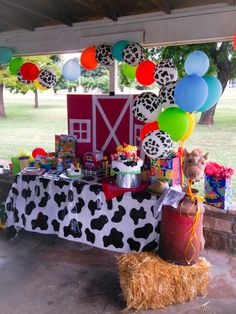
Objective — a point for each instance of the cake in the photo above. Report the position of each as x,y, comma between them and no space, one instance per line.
74,172
126,161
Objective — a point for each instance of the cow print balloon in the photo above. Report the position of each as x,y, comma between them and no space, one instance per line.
103,55
146,107
133,54
47,78
166,94
22,80
165,72
157,145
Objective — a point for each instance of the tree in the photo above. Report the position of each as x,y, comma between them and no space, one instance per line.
222,63
11,81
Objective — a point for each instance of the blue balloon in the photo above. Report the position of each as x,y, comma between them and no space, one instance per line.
191,93
197,62
71,70
117,49
5,55
214,92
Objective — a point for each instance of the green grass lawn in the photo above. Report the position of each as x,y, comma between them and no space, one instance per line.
26,127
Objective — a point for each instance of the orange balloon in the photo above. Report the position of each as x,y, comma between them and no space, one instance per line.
148,128
87,59
234,42
145,72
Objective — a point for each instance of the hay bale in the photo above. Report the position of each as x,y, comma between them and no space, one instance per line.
148,282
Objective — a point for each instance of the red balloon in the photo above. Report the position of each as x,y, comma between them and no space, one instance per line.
145,72
234,42
29,71
38,151
148,128
87,59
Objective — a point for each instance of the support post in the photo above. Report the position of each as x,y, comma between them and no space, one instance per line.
113,78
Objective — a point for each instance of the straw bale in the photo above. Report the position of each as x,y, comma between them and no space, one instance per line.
148,282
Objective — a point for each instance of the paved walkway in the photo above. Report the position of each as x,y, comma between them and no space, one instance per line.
45,275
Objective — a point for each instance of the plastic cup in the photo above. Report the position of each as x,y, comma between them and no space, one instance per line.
15,165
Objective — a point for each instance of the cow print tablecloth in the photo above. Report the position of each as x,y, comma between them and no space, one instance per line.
78,211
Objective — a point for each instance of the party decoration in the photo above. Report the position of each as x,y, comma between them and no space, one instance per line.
145,72
157,145
22,80
39,86
214,92
103,55
191,127
197,62
88,59
5,55
191,93
133,54
71,70
166,94
117,49
175,122
148,127
15,65
234,42
39,151
146,107
29,71
47,78
130,71
165,72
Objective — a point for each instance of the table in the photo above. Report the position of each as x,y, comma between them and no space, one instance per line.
77,210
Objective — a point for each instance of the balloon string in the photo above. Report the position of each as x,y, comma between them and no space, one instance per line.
193,235
192,230
181,164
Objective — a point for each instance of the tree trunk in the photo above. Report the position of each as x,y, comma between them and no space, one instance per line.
2,109
36,100
225,70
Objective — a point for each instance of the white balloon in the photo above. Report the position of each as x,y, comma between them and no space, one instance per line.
71,70
157,145
146,107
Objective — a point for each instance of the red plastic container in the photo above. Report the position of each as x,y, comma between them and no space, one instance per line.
181,235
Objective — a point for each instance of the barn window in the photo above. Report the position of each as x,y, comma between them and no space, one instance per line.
81,128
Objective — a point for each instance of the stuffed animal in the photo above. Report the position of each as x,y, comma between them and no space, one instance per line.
194,164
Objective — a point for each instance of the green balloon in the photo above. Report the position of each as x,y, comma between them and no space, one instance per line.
15,64
129,71
175,122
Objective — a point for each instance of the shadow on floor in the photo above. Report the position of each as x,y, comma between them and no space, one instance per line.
41,274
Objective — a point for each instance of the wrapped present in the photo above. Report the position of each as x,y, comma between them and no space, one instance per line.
218,185
169,169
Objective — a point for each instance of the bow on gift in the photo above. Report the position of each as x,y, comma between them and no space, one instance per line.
218,171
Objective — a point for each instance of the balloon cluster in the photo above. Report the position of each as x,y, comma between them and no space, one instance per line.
196,92
166,122
27,72
131,53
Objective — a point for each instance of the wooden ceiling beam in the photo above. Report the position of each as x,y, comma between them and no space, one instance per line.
14,20
98,8
36,9
163,5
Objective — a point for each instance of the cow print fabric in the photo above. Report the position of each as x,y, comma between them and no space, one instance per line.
78,210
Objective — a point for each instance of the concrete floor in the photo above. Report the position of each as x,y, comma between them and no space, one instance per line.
42,274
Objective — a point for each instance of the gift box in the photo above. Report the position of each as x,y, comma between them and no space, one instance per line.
169,169
218,191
